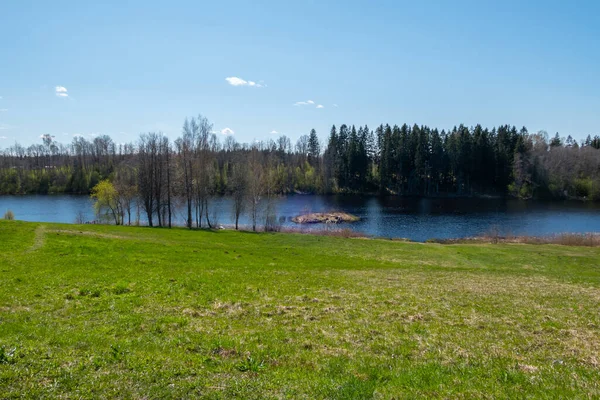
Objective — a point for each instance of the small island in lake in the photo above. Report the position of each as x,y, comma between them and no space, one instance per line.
325,218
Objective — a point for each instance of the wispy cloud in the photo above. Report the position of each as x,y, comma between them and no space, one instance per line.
274,132
304,103
335,105
61,91
235,81
3,109
3,137
4,127
227,131
307,103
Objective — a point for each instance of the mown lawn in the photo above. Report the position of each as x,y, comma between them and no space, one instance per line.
110,312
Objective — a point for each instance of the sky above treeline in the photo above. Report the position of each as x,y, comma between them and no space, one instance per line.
259,69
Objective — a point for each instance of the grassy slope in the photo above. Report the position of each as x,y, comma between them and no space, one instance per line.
99,311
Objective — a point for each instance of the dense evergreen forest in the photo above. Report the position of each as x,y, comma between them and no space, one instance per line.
402,160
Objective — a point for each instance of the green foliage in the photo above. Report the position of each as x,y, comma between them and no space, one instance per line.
587,188
250,364
107,201
121,288
525,192
7,356
406,160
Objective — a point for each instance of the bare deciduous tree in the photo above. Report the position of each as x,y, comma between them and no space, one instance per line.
239,187
255,185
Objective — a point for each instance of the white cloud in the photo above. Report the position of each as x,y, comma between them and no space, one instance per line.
3,109
61,91
3,137
235,81
335,105
4,126
274,132
320,106
77,135
227,131
306,103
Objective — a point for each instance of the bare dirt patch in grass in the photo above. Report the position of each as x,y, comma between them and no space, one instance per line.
96,234
39,239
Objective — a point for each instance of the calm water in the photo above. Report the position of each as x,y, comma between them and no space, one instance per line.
416,219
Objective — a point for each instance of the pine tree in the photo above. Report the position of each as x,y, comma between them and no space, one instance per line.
331,159
556,141
314,148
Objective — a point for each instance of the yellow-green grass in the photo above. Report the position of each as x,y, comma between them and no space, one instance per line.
121,312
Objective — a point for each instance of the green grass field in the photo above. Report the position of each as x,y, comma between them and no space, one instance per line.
121,312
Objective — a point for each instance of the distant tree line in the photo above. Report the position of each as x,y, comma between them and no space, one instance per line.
159,174
419,160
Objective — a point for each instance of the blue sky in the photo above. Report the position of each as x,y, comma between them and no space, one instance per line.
126,67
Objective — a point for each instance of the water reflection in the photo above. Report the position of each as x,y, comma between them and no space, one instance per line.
390,216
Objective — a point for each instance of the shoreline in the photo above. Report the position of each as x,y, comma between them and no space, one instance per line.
585,239
372,194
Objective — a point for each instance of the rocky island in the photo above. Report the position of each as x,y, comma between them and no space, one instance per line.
325,218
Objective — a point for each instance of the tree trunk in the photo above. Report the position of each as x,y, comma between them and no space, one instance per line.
169,186
206,214
149,213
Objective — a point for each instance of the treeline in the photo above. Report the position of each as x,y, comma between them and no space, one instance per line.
419,160
405,160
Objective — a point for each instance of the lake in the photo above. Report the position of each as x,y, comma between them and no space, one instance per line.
417,219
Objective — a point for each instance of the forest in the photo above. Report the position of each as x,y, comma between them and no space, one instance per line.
158,173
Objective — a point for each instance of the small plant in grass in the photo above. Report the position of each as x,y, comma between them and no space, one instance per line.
7,356
89,292
9,215
250,364
116,353
121,288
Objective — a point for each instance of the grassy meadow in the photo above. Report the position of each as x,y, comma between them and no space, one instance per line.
122,312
